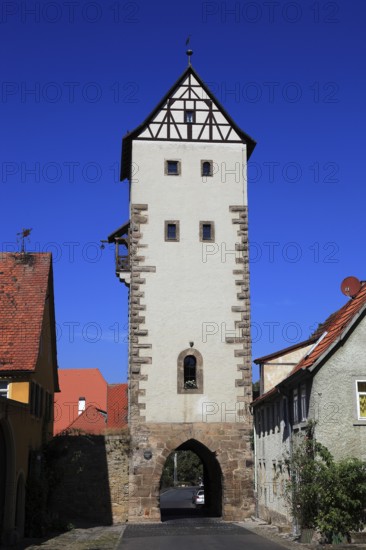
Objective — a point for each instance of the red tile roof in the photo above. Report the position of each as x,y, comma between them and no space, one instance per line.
91,421
76,383
329,334
333,328
117,405
24,280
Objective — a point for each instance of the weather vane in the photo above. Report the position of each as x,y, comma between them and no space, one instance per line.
189,52
23,234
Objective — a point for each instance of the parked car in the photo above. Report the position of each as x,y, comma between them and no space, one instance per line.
199,498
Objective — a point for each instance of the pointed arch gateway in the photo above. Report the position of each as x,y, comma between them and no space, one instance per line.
212,477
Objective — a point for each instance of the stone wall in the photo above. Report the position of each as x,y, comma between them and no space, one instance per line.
225,451
89,479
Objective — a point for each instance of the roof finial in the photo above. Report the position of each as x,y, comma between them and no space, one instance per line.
189,52
23,234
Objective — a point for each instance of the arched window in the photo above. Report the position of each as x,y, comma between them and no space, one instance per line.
190,371
206,168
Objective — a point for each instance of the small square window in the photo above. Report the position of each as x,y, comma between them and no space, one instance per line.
189,117
172,230
206,168
172,167
207,231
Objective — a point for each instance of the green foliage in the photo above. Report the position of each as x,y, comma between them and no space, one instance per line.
324,494
189,469
342,498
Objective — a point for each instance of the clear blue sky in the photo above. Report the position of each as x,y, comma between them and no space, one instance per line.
291,74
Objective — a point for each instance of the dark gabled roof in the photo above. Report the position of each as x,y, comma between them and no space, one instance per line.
130,136
329,335
122,230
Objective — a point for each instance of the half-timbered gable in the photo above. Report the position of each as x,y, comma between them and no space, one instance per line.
188,112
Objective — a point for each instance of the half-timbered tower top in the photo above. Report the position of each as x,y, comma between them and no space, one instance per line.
188,112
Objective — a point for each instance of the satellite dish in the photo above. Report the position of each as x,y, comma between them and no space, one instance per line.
350,286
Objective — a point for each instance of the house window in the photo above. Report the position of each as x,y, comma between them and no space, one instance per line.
48,406
172,167
268,421
278,415
4,389
207,232
206,168
303,403
36,399
81,405
190,372
361,399
189,117
172,230
263,427
295,406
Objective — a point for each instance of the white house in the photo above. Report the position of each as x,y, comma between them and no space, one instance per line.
322,379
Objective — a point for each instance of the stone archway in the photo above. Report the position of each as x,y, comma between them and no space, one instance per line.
223,448
177,505
212,476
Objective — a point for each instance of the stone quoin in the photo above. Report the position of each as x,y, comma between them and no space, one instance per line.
187,165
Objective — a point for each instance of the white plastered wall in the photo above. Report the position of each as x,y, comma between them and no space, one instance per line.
193,289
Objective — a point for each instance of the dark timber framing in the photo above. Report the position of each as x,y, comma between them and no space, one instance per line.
168,120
